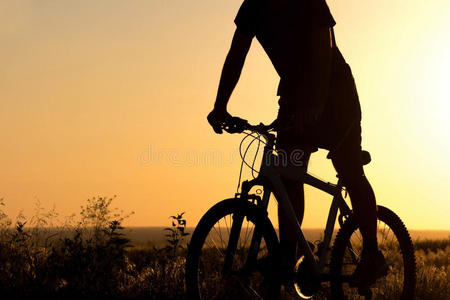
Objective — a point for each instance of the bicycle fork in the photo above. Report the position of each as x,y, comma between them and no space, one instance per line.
232,242
255,243
257,235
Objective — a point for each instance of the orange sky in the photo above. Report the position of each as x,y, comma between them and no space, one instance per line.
110,97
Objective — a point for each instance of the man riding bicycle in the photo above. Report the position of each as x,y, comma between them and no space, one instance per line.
319,107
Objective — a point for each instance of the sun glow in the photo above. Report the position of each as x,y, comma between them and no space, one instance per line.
435,88
86,88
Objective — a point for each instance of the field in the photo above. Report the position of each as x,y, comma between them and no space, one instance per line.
94,259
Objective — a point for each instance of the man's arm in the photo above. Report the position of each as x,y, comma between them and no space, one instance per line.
231,72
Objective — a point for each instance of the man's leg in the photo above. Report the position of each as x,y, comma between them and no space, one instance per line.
347,162
318,70
349,167
288,237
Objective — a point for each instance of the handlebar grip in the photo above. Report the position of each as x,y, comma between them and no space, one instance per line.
235,125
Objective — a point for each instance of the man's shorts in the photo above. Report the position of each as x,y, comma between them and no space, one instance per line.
339,128
337,136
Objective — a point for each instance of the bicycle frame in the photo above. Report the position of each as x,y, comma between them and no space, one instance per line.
270,178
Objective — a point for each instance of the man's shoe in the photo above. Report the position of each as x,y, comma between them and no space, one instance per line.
371,267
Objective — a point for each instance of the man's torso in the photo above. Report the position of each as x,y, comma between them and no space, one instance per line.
281,28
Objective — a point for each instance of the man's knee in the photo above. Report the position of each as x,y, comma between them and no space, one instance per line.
349,169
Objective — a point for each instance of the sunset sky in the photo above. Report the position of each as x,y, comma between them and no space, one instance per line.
110,97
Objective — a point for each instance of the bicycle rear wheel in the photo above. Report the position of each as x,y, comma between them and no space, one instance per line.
217,264
395,244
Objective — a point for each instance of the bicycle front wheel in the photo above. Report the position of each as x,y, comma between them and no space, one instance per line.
218,265
395,244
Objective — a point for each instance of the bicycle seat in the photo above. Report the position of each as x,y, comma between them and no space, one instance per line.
365,157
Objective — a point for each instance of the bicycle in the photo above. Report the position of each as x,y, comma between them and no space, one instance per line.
224,263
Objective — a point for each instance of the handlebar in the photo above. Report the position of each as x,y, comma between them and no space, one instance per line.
238,125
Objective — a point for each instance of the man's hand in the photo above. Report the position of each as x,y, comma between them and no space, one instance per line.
217,118
307,118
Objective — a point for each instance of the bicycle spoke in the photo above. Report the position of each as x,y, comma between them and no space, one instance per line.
220,233
217,248
226,224
247,234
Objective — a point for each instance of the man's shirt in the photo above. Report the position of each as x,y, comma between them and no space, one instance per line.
281,31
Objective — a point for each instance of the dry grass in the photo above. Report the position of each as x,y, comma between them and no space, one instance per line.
92,258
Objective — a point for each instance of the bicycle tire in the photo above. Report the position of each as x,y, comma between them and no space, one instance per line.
396,285
199,288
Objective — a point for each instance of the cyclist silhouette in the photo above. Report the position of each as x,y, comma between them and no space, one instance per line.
318,107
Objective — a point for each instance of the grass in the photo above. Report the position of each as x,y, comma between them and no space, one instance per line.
433,265
92,258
